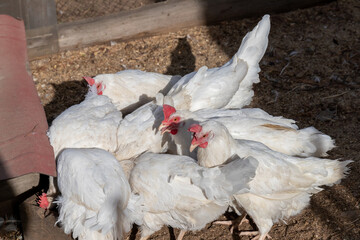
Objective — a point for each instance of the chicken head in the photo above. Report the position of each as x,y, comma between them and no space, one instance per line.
171,121
200,137
100,87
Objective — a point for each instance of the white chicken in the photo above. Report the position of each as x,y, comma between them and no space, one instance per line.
91,124
130,89
229,86
278,133
282,186
94,194
143,122
175,191
138,132
97,123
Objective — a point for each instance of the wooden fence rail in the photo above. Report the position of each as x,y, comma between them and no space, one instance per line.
149,20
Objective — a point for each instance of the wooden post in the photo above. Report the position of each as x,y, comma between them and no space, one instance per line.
41,27
11,7
39,17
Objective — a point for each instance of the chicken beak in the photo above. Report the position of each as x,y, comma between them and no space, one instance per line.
163,128
193,146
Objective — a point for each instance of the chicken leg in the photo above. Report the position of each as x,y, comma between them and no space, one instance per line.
181,235
145,238
233,222
52,192
257,234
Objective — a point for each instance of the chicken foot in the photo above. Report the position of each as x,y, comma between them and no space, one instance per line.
257,234
233,222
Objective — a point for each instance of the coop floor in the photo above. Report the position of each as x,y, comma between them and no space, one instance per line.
310,73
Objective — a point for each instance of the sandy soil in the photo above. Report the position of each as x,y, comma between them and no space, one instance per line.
310,73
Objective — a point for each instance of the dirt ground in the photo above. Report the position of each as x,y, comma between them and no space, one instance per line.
68,11
310,73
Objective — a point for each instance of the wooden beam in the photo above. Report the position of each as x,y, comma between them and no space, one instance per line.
11,8
41,27
11,189
168,16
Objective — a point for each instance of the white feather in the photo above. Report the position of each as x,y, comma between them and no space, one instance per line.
283,184
230,85
94,194
252,50
92,123
175,191
130,89
278,133
138,132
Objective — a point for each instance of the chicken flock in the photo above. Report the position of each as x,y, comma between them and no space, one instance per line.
187,156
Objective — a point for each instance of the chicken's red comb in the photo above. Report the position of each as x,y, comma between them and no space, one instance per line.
196,128
89,80
168,110
43,201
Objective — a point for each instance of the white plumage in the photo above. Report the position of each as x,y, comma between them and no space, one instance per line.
130,89
92,123
252,49
278,133
97,201
229,86
283,184
94,194
175,191
138,132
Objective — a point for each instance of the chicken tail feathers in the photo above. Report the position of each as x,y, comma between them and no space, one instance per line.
322,142
108,223
254,44
95,192
105,220
324,172
110,216
337,170
305,143
252,49
72,217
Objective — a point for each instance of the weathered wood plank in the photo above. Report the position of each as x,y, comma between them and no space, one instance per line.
11,7
11,189
168,16
41,27
44,36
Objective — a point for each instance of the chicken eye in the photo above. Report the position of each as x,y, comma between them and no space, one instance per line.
176,119
205,135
